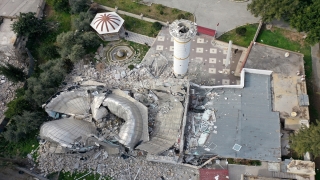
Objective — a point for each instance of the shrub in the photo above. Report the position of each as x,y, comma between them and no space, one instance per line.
61,5
160,7
13,73
181,16
241,31
157,26
187,15
82,22
131,66
78,6
161,12
175,11
48,52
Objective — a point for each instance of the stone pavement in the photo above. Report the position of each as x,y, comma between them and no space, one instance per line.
208,13
138,38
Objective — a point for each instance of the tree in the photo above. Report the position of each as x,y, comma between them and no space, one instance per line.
61,5
79,41
48,51
66,40
42,88
271,9
157,26
307,20
307,140
82,22
16,107
303,14
78,6
29,25
241,31
21,125
89,40
13,73
77,53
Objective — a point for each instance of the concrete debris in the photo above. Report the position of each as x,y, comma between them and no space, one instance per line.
7,88
118,168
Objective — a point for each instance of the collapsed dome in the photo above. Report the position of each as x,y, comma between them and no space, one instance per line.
67,131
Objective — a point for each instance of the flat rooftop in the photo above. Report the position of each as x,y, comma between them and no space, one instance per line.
245,127
287,85
11,8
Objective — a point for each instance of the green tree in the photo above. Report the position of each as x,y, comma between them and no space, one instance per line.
89,40
61,5
307,20
78,6
41,88
29,25
307,140
241,31
21,125
271,9
157,26
48,51
13,73
66,40
82,22
16,107
77,53
79,41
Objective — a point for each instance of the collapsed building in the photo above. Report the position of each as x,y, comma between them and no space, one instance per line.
187,120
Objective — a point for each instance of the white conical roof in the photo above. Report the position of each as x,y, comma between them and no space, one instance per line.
108,22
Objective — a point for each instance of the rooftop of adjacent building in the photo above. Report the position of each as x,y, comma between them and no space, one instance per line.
244,121
289,88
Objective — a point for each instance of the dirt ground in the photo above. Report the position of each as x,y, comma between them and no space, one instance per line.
295,36
48,11
8,173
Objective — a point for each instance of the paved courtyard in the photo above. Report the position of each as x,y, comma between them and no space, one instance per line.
207,59
208,13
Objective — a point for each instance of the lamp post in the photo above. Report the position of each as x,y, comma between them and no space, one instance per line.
216,30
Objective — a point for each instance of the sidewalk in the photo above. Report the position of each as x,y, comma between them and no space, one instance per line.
138,38
131,15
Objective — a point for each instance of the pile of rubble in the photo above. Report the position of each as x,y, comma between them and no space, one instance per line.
7,88
98,161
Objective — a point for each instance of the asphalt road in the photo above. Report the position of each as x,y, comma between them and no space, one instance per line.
209,13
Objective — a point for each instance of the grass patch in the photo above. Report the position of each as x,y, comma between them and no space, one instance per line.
58,22
155,11
140,26
239,40
91,176
20,149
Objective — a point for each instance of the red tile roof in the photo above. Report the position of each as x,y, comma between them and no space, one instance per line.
214,174
206,31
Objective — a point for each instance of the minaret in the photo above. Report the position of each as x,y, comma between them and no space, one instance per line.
182,31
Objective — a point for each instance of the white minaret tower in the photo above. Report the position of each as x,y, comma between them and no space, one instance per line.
182,31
